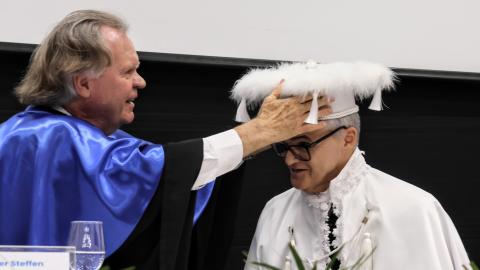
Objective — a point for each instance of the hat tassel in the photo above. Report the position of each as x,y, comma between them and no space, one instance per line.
376,103
242,113
313,115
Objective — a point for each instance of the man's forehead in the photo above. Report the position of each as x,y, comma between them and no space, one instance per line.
309,136
116,39
111,34
120,46
302,137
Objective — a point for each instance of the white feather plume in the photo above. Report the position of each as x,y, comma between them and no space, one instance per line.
301,79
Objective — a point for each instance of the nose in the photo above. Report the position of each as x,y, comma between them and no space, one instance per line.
290,158
139,82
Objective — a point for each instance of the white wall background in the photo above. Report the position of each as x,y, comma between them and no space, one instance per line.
420,34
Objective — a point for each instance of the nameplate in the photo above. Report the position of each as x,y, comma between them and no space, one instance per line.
36,257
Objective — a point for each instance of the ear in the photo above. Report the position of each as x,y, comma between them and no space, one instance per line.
82,85
350,139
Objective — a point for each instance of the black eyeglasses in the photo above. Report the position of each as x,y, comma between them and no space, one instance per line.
300,151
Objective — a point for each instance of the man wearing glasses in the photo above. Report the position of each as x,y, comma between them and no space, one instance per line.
341,212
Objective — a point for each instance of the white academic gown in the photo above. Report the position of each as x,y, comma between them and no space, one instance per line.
406,227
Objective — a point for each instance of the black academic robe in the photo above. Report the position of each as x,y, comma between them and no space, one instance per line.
165,237
161,240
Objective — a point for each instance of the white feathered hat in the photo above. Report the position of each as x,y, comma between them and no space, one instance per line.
343,81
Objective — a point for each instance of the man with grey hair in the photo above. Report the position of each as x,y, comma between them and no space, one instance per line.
69,161
339,205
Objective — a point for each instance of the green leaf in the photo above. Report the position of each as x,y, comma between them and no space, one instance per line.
297,258
474,266
245,256
358,263
333,259
363,259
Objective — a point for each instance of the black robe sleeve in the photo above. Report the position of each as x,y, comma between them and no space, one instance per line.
213,246
161,240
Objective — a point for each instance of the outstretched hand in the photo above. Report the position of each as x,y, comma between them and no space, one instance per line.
280,119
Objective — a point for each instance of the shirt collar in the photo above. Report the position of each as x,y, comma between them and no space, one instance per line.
61,110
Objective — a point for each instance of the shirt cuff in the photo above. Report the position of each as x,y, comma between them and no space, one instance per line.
222,152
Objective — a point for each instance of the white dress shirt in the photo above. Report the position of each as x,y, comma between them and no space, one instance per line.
222,153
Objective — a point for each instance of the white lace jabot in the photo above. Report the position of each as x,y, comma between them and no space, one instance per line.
345,182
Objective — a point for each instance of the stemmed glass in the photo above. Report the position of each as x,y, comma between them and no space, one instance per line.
87,238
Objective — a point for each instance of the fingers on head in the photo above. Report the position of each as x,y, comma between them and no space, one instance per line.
322,99
324,110
278,89
313,127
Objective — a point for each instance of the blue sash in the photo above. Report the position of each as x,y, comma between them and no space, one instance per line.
55,169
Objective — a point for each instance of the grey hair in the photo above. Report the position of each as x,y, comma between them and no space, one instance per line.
352,120
74,46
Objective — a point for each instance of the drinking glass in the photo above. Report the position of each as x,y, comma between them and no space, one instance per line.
87,238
